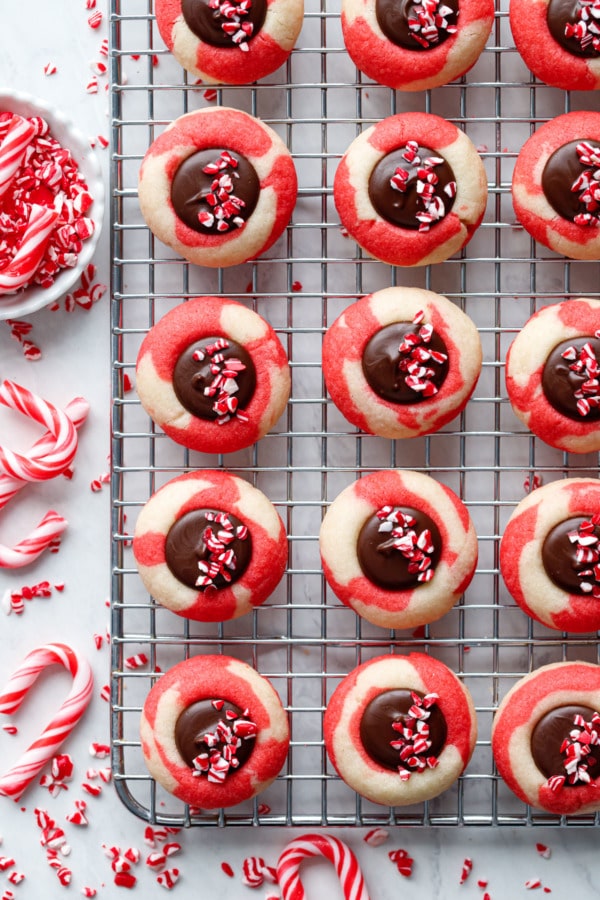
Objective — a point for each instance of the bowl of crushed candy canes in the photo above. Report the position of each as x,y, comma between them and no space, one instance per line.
51,204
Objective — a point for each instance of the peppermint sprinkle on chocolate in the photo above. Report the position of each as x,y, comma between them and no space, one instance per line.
585,365
416,546
428,19
221,559
224,385
418,362
225,205
587,185
577,752
587,554
234,15
222,744
586,28
413,742
432,205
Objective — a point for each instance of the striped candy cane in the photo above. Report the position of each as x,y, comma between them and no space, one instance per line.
12,150
26,551
53,453
338,853
26,260
14,782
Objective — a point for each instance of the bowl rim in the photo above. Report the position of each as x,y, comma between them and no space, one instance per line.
36,298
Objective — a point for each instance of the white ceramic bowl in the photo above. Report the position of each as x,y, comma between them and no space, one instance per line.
36,297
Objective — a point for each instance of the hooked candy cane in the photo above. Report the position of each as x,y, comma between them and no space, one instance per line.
342,857
13,148
52,454
26,260
14,782
26,551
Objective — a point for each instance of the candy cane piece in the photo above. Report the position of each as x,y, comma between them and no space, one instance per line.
12,150
26,260
76,410
26,551
14,782
342,857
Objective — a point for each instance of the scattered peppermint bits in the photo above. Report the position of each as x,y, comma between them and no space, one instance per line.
531,484
376,837
221,560
13,601
430,20
95,20
418,361
575,748
137,661
586,28
18,332
223,383
432,205
466,870
544,851
50,69
584,364
403,861
417,547
255,872
587,184
587,554
232,15
224,203
210,95
413,743
222,744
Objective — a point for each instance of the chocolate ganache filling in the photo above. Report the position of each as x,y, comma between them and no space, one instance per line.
570,379
214,191
571,557
406,362
412,187
224,23
208,548
403,730
574,26
398,548
570,182
417,26
213,737
214,378
564,745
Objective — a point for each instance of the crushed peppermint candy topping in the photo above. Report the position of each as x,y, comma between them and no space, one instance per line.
433,206
584,364
587,553
586,28
224,384
417,361
576,750
225,205
216,538
222,744
234,25
587,185
427,19
413,742
416,547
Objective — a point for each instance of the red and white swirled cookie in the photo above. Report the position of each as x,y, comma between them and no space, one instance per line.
400,729
550,554
401,362
399,548
555,185
411,190
209,546
213,374
412,45
552,375
559,41
214,732
230,41
218,186
546,737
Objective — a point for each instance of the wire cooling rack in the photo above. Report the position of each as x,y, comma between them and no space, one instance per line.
303,639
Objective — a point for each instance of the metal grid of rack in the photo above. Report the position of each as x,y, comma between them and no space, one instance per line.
303,639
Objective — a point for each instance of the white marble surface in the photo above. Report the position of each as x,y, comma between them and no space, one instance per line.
75,360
